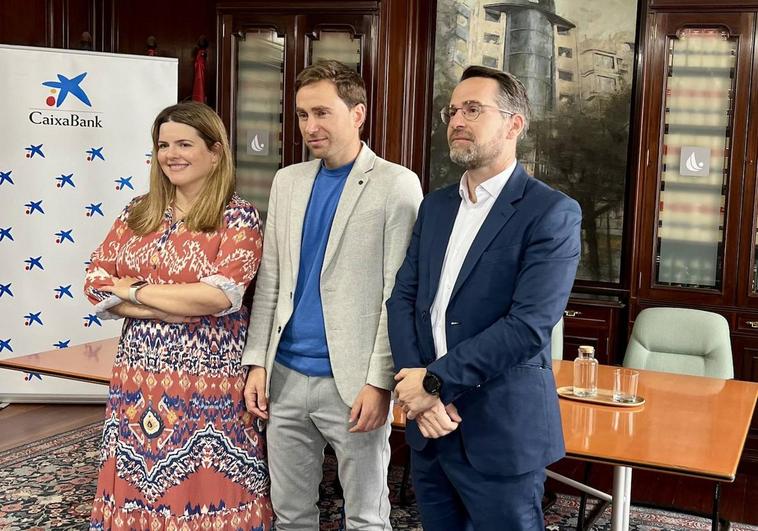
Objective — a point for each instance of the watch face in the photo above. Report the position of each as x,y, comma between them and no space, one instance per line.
138,283
431,384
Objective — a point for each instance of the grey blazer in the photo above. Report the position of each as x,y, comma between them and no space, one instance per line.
367,243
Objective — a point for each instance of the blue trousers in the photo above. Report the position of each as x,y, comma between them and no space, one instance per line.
452,495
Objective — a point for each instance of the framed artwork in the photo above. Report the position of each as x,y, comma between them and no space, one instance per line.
576,60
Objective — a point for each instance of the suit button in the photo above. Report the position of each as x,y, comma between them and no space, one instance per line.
279,330
424,314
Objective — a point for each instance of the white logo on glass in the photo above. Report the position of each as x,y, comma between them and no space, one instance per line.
692,164
695,161
256,145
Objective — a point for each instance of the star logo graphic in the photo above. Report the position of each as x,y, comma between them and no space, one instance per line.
63,343
67,86
91,319
5,344
6,289
6,233
95,153
94,208
64,235
64,180
31,375
5,176
34,206
34,150
124,182
33,262
60,291
32,318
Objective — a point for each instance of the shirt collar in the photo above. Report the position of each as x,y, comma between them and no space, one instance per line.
490,188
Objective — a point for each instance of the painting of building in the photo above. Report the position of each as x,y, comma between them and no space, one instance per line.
576,61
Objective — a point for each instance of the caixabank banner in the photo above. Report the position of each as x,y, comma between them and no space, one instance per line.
75,147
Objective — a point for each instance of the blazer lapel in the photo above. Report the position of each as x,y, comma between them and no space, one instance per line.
356,182
501,212
443,219
300,194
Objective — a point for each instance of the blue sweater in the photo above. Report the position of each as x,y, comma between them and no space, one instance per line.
303,345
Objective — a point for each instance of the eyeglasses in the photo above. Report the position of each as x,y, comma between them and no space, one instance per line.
470,111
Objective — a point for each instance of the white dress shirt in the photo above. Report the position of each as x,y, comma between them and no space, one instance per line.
468,221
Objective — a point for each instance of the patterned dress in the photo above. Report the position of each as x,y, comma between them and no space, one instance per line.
179,450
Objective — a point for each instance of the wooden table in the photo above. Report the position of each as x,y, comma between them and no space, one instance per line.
90,362
689,425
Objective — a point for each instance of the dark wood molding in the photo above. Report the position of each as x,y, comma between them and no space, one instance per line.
746,296
664,26
703,5
636,159
297,7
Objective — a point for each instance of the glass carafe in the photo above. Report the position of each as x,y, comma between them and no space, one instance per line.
585,372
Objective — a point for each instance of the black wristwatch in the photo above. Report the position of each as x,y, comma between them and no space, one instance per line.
432,384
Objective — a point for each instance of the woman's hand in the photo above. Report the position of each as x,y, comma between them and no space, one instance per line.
120,287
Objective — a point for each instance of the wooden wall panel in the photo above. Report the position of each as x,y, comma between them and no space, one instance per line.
79,19
119,26
23,23
404,91
177,25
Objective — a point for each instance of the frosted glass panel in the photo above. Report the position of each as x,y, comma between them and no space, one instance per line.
337,45
695,160
260,78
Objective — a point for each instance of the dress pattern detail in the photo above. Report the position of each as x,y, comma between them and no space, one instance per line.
179,449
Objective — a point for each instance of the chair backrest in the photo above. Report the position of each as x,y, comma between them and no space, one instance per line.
556,341
681,340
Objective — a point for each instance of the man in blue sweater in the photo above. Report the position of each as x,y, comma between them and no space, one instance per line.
321,369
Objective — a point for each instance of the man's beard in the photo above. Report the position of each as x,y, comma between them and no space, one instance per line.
474,155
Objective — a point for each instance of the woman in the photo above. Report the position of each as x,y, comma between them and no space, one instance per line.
179,450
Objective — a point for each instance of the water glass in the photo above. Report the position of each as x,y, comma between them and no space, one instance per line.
625,385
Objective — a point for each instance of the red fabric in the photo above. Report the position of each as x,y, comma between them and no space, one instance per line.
198,87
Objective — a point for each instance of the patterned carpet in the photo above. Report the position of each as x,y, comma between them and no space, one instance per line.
49,485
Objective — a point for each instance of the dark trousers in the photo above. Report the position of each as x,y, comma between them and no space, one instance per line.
452,495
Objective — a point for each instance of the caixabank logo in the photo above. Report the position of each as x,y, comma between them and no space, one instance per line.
61,95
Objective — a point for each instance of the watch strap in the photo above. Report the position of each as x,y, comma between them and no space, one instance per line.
133,289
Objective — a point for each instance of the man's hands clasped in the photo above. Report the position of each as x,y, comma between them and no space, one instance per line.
433,418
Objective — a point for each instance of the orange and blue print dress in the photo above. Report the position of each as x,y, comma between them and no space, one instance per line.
179,450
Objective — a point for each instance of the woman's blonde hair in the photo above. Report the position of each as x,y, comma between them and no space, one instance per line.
207,212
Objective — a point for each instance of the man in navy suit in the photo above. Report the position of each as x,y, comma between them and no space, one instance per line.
489,269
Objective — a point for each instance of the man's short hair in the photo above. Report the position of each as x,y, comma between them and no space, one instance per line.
349,83
512,94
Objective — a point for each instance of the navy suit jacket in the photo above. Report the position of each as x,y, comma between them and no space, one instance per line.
512,289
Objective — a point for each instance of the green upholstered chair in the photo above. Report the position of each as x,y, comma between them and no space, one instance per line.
556,341
681,340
